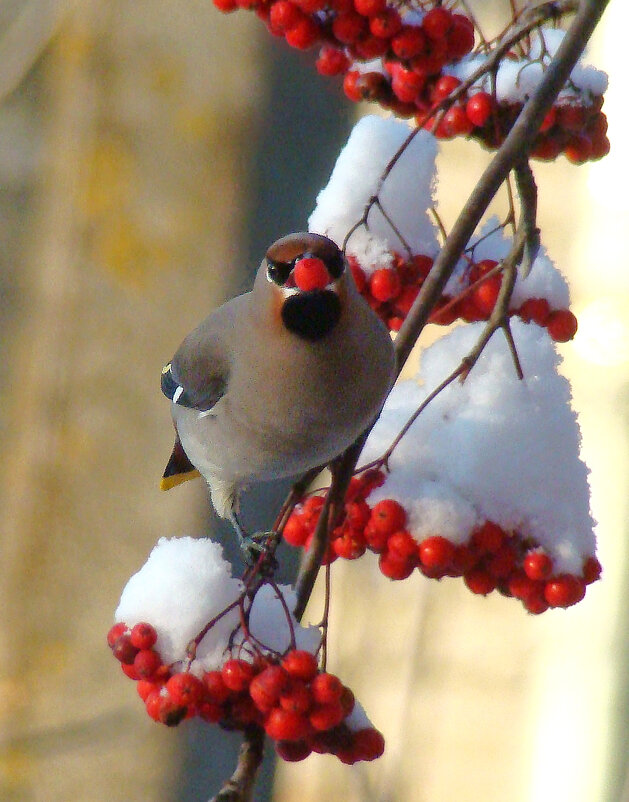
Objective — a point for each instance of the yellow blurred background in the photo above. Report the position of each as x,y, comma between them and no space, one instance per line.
149,151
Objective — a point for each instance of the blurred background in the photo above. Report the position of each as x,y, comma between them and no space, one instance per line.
149,152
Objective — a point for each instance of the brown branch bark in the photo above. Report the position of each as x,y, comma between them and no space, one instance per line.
239,787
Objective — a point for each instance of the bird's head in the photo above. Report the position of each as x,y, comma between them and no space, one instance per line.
304,275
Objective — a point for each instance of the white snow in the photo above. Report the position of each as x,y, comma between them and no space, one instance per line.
183,585
543,281
517,79
406,195
490,448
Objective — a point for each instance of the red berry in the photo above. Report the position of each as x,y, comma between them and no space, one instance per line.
210,712
402,544
444,87
395,567
591,570
562,325
128,669
478,108
146,663
351,86
537,565
370,7
460,38
436,552
579,149
385,24
385,284
237,674
242,712
331,61
325,717
284,15
293,751
143,636
437,22
549,120
455,122
311,6
359,275
357,514
123,650
536,604
115,632
564,590
523,587
349,27
168,712
407,84
487,538
145,688
367,48
502,563
535,310
388,516
301,664
226,6
463,560
326,688
185,689
570,117
409,42
480,581
266,687
286,725
375,539
304,34
295,531
297,696
311,509
215,687
368,744
311,274
350,545
486,294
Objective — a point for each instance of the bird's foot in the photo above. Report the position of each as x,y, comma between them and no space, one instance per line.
258,549
256,546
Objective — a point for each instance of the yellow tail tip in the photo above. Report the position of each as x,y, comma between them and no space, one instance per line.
168,482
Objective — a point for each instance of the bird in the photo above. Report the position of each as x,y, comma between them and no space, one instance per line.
278,380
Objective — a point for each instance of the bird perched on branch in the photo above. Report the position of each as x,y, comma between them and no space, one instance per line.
278,380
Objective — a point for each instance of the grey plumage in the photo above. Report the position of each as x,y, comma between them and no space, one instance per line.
279,380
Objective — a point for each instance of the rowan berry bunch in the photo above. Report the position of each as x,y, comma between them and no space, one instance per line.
416,61
392,290
301,708
488,558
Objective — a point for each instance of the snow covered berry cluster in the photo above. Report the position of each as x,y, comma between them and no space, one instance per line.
488,559
300,707
225,673
392,290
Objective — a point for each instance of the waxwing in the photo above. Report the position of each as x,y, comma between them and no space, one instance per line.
278,380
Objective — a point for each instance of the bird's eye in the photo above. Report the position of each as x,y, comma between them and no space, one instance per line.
278,272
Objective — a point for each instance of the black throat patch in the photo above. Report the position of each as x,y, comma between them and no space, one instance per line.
311,315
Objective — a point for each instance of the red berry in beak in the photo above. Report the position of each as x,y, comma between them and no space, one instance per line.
311,274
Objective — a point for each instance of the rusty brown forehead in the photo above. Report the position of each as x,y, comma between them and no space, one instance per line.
290,247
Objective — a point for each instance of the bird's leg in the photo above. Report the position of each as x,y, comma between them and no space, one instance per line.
252,545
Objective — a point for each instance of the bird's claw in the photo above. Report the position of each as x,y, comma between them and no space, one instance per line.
256,545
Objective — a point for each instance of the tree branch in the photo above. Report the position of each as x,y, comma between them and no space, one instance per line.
239,787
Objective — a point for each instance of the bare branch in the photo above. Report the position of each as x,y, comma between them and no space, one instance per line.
239,787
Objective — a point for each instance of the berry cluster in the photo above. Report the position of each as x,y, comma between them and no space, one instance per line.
399,58
301,708
491,559
391,291
578,128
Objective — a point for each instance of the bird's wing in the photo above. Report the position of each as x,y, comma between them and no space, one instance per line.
197,375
